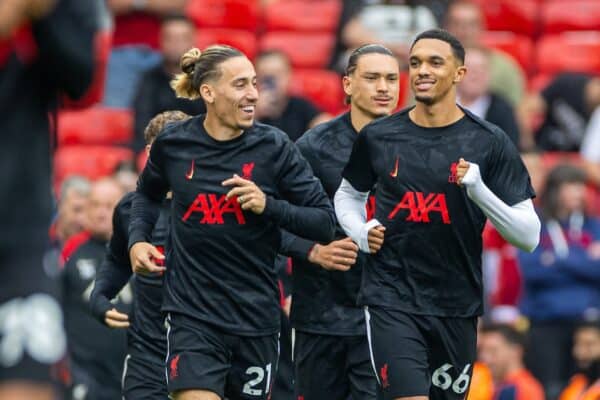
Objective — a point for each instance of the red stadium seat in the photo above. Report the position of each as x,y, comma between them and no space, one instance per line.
240,39
518,16
569,51
92,162
551,159
574,15
539,82
306,50
520,47
235,14
322,87
95,126
302,15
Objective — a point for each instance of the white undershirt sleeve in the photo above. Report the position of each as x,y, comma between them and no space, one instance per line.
352,215
518,224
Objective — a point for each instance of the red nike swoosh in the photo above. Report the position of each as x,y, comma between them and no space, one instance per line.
394,173
190,174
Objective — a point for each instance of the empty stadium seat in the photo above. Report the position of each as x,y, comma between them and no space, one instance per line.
305,50
235,14
520,47
569,51
92,162
240,39
95,126
303,15
539,82
574,15
322,87
518,16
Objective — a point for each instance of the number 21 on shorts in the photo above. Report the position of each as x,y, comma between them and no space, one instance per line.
442,379
252,387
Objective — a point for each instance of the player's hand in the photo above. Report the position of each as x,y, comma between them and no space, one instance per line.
338,255
142,256
375,238
115,319
247,194
467,173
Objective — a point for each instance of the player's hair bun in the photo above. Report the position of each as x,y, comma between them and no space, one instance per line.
189,59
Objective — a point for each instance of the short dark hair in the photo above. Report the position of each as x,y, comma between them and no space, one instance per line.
590,324
508,332
440,34
363,51
159,121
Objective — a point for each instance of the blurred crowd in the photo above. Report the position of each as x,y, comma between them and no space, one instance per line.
541,331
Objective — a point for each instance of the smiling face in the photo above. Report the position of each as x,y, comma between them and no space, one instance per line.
434,71
233,95
373,86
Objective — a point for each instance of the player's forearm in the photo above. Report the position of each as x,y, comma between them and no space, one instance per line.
315,222
352,216
110,279
144,214
518,224
295,246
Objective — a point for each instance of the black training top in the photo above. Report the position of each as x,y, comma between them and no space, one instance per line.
221,266
430,262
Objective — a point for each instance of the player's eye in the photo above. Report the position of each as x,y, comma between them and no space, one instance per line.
414,63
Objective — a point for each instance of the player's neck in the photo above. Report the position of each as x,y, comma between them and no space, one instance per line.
218,131
436,115
358,118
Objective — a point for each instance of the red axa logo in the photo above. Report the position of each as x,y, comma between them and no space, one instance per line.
213,207
452,177
384,376
370,208
173,373
247,170
420,205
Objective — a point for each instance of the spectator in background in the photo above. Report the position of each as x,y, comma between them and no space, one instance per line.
585,385
566,105
392,23
561,276
501,350
154,93
135,45
465,20
72,205
126,175
96,353
475,94
293,115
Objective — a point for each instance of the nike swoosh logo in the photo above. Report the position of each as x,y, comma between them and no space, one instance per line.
190,173
394,173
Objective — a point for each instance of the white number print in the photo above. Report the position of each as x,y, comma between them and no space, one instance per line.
443,380
34,325
250,386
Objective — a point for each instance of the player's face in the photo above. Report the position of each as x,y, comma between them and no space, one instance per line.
235,93
433,71
496,353
374,86
103,198
586,349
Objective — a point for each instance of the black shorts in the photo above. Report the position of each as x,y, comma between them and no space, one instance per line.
420,355
144,378
203,357
32,339
333,367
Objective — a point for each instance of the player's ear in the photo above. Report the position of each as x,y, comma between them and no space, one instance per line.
148,149
459,74
347,84
207,93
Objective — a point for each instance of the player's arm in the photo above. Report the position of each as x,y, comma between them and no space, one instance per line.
114,273
303,208
507,200
150,193
352,195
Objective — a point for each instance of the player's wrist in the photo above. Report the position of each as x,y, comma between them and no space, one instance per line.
313,254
